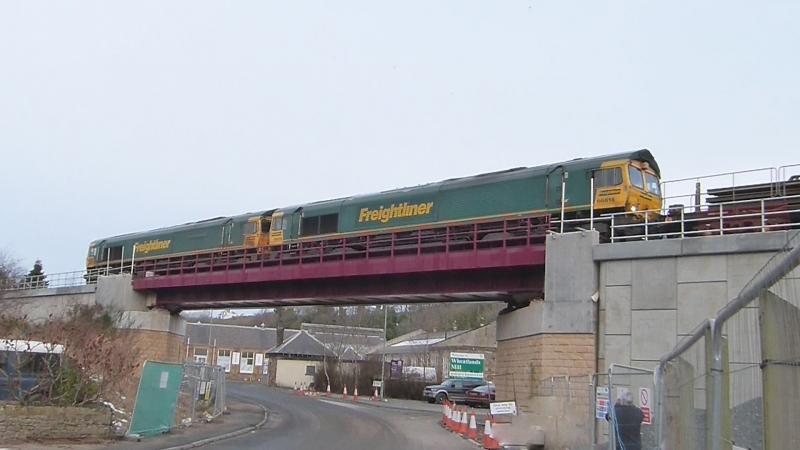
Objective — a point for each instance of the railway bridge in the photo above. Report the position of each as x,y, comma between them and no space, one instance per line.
576,304
441,264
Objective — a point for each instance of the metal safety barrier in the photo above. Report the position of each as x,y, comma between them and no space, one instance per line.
733,380
715,219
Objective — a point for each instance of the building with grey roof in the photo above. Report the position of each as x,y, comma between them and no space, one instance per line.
425,355
258,354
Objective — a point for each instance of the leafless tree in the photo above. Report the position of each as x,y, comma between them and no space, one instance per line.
10,270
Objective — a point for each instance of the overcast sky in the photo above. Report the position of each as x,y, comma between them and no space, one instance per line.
125,116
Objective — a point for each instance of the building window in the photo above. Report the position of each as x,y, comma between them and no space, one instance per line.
311,370
224,360
247,362
201,355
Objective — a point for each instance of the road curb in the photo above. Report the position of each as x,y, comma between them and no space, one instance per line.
222,437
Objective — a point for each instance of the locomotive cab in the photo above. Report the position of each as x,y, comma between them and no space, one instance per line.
644,192
626,186
279,225
91,256
256,232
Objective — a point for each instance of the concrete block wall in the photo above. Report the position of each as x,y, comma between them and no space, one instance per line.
43,304
654,293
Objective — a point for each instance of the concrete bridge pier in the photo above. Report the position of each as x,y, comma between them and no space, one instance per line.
157,333
539,346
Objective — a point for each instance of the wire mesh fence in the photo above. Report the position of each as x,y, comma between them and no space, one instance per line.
630,389
59,280
743,378
734,382
684,398
202,394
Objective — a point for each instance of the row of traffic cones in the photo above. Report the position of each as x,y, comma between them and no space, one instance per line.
375,395
456,419
300,391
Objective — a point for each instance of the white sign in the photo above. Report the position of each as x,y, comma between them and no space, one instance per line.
164,379
259,359
601,402
503,408
644,404
235,358
466,355
376,383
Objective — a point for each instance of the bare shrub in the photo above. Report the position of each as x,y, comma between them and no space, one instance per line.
96,363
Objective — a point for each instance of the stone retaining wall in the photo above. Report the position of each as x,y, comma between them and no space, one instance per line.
40,423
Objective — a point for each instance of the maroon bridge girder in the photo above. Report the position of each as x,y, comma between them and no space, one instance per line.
453,286
478,261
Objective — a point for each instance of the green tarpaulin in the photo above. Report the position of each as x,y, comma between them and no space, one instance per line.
157,399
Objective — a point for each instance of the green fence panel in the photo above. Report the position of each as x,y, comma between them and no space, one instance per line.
157,399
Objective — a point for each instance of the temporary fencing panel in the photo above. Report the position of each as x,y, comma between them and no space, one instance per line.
639,383
202,392
684,398
734,382
154,412
780,344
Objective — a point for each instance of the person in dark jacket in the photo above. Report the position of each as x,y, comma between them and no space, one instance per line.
629,422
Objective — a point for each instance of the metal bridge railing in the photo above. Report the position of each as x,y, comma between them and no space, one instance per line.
733,382
60,280
694,191
443,239
767,214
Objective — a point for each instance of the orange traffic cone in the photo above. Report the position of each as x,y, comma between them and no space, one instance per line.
448,415
355,394
451,424
375,395
344,393
472,432
489,441
444,414
463,429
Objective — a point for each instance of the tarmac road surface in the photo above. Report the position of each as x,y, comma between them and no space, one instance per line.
299,423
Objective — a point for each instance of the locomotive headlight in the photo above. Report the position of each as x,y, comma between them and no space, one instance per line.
633,209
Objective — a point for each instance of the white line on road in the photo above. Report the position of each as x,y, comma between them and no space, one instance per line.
346,405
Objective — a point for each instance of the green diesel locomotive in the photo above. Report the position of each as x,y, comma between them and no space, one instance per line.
622,182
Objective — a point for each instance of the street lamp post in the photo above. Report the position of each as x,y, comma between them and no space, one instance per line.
383,354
